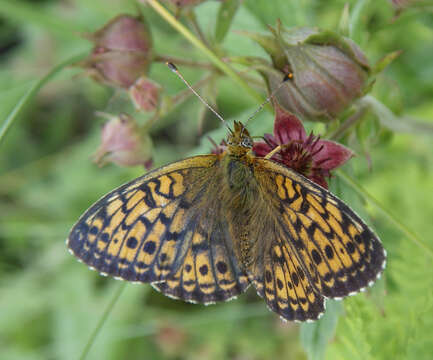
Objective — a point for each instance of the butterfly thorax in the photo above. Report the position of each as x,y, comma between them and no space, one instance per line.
241,191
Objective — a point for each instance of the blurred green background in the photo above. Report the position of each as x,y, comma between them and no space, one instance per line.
50,304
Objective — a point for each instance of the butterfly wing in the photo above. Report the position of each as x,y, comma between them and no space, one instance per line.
318,247
210,272
158,228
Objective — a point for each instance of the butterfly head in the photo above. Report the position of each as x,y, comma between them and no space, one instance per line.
239,141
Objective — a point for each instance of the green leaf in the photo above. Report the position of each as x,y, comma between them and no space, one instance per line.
169,18
357,19
102,320
225,17
392,218
385,61
33,91
27,13
393,122
293,13
315,336
343,26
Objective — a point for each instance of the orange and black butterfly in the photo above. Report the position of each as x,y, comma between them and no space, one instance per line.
203,229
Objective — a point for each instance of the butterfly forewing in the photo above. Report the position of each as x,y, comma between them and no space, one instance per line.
157,228
320,248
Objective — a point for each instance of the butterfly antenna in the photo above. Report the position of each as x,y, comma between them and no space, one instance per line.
260,108
173,68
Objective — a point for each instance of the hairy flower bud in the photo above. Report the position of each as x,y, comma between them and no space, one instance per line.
122,52
124,143
145,94
327,71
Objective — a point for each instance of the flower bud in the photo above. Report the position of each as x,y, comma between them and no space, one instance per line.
122,52
327,71
145,94
124,143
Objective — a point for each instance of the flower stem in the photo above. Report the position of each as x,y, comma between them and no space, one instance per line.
403,228
31,93
350,122
185,62
102,320
356,19
202,47
194,24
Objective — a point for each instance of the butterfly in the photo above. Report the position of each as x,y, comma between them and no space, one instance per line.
205,228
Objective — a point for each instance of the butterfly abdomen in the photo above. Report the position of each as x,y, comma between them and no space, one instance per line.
242,192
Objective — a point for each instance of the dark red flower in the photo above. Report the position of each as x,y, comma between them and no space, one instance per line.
307,154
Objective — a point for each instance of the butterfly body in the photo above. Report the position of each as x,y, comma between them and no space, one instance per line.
203,229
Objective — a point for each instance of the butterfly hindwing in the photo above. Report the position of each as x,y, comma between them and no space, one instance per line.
210,271
284,285
279,274
335,248
156,227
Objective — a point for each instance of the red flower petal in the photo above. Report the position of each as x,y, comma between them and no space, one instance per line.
287,127
270,140
332,155
261,149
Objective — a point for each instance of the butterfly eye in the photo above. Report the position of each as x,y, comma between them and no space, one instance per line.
247,142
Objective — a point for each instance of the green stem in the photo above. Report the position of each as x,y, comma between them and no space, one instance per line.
356,19
194,24
199,45
102,320
350,122
403,228
185,62
28,96
154,123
